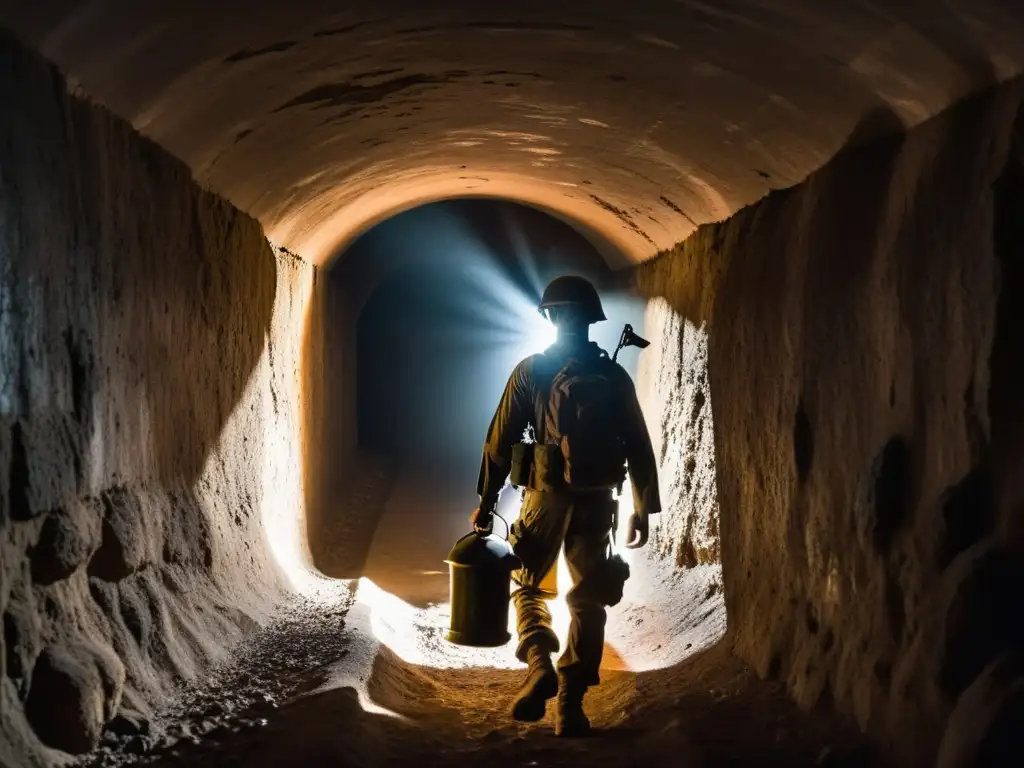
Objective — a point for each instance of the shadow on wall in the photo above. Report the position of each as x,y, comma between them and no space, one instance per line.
128,363
862,380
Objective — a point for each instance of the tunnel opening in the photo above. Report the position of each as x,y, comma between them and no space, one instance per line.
448,313
430,311
443,303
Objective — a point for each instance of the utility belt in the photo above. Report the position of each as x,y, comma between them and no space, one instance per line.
541,468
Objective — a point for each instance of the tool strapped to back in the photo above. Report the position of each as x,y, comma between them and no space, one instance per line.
581,418
577,444
628,338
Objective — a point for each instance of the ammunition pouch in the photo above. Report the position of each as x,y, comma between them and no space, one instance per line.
609,582
542,468
547,469
522,464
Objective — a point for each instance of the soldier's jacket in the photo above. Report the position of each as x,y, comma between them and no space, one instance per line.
521,405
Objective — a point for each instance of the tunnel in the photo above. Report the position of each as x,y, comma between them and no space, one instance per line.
265,268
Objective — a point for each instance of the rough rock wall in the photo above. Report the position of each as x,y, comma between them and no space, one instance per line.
346,488
672,383
864,359
149,391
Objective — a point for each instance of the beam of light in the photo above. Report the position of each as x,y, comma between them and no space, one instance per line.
524,256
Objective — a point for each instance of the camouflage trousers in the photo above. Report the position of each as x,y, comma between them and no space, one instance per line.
583,524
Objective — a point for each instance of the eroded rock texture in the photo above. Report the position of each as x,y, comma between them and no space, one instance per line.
149,389
864,362
673,387
75,690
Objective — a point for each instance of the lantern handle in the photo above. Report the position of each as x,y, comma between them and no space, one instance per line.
483,533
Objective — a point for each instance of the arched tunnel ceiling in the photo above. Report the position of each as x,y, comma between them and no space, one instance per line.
638,120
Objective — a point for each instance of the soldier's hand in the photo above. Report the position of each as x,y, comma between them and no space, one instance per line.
636,531
483,520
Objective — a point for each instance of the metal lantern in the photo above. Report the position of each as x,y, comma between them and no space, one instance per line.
480,569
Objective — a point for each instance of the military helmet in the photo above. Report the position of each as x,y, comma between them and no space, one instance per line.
573,290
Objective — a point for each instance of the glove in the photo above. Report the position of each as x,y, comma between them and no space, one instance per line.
637,530
483,519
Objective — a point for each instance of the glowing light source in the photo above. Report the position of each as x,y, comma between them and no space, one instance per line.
542,334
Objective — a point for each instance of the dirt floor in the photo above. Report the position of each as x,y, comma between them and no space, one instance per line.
264,709
357,673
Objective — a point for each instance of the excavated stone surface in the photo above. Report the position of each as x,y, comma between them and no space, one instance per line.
149,418
340,543
637,120
673,389
287,659
68,538
861,335
22,636
987,726
125,538
76,689
983,613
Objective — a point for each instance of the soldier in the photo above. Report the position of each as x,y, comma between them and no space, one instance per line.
587,427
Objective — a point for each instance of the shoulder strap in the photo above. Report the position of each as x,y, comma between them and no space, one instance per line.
543,379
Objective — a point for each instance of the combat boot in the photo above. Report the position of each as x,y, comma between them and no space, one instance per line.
570,720
541,684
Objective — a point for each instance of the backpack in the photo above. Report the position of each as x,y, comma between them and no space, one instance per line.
581,418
